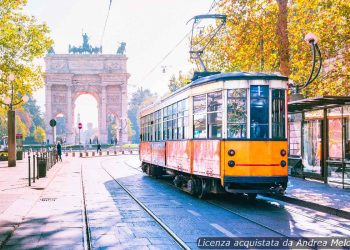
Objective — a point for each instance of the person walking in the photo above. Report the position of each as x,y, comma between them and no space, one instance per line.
99,147
59,151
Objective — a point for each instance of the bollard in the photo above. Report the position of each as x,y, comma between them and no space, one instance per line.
81,154
33,168
93,153
86,153
73,154
29,178
107,152
123,152
66,153
115,152
37,166
131,152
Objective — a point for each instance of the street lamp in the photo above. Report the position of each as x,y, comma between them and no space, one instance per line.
11,121
311,39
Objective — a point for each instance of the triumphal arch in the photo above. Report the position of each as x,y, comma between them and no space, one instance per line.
88,71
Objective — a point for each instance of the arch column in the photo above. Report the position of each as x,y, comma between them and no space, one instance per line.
70,117
103,117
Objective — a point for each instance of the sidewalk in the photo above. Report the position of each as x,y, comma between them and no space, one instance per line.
318,196
18,200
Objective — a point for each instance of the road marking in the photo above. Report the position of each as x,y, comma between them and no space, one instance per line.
222,230
193,212
175,202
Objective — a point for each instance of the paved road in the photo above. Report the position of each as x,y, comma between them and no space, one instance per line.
117,221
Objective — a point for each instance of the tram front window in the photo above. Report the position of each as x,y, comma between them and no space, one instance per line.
259,112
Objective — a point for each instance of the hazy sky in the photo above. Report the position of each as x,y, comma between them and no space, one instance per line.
150,28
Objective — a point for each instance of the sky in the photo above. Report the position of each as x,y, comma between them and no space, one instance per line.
151,29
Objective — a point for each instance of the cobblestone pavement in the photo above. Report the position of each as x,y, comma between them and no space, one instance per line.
54,220
191,218
55,217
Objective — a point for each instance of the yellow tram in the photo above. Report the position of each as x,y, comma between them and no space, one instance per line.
225,132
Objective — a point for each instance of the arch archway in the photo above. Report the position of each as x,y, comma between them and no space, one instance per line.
102,76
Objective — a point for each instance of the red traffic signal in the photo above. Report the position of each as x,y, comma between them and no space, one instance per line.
80,125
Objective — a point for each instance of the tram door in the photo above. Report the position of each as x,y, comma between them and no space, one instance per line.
312,146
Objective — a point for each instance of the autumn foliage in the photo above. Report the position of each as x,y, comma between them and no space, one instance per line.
268,36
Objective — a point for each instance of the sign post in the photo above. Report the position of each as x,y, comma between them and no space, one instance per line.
53,125
80,126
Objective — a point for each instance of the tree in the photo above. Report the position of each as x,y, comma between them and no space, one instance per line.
139,98
180,81
33,109
267,36
22,41
39,134
21,128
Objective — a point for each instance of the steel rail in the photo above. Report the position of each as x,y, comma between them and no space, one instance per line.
86,227
181,243
253,221
291,210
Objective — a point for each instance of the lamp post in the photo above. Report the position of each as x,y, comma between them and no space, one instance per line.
11,122
311,39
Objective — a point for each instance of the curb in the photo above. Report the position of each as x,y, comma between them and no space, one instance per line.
314,206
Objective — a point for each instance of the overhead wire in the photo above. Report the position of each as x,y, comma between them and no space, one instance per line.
105,25
212,6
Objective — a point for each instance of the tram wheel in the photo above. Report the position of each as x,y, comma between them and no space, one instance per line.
252,196
149,170
203,189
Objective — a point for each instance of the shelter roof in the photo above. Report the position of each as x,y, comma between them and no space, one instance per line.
317,103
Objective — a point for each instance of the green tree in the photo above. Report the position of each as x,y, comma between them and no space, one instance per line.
39,134
139,98
181,80
267,36
22,40
21,127
35,113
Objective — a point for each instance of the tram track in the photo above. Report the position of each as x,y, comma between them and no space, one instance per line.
176,238
290,210
86,226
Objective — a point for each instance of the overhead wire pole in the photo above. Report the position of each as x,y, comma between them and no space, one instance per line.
105,25
212,6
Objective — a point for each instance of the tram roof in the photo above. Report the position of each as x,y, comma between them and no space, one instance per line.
238,76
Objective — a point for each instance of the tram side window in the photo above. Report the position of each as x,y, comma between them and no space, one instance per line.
158,125
182,120
165,115
169,124
174,121
259,112
146,126
278,114
237,113
151,127
199,116
141,129
214,120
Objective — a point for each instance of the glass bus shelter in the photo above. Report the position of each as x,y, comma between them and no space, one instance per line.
319,139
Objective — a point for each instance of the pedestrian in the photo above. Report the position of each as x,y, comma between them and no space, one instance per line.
59,151
99,147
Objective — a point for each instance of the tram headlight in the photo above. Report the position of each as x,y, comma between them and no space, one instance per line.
231,152
283,163
283,152
231,164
